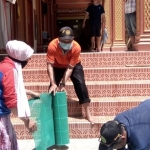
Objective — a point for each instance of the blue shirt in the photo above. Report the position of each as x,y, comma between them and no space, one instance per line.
137,125
3,109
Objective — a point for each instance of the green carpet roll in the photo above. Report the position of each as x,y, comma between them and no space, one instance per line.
42,113
51,116
60,114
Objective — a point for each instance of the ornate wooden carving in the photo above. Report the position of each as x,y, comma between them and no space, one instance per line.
118,26
146,16
143,25
108,15
71,10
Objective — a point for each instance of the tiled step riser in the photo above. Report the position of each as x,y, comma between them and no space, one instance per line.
114,74
98,108
78,131
95,91
78,128
84,130
110,108
101,108
95,60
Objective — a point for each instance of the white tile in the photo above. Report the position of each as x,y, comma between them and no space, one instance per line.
26,144
75,144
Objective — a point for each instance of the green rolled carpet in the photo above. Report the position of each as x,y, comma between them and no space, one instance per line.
60,114
51,115
42,113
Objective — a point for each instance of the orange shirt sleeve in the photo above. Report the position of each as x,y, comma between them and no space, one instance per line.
50,53
75,55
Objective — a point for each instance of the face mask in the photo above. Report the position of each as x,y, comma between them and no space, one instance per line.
24,63
65,46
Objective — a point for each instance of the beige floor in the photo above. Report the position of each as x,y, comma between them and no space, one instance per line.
75,144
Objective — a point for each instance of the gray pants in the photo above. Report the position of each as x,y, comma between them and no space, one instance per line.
131,23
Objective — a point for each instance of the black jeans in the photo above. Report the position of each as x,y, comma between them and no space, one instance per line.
77,77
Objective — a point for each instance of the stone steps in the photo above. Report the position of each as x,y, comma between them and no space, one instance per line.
102,106
108,106
78,127
112,87
102,88
99,60
95,74
102,109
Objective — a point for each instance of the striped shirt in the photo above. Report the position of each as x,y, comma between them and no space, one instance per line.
130,6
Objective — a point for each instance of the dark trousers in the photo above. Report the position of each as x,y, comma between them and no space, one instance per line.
77,77
95,30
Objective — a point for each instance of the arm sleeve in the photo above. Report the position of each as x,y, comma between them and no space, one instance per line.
50,54
103,11
75,56
88,9
9,91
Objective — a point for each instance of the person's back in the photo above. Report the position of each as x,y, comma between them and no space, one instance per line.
137,125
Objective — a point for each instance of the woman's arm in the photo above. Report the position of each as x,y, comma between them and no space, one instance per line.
33,94
29,123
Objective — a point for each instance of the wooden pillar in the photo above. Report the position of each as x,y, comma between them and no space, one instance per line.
14,22
115,24
143,25
20,21
39,22
52,12
44,19
29,34
108,14
118,25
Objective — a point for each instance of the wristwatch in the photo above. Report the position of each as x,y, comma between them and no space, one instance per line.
62,84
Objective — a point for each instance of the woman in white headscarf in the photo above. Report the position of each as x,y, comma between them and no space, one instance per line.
13,96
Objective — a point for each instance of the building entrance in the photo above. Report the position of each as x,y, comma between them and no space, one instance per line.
81,35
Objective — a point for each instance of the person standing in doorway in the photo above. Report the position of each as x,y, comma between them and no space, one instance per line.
96,15
130,18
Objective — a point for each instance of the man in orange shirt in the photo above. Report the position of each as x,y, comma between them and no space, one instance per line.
64,62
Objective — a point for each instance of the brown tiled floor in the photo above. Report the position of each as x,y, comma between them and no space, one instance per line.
75,144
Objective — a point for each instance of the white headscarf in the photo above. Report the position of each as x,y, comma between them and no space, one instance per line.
12,1
20,51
